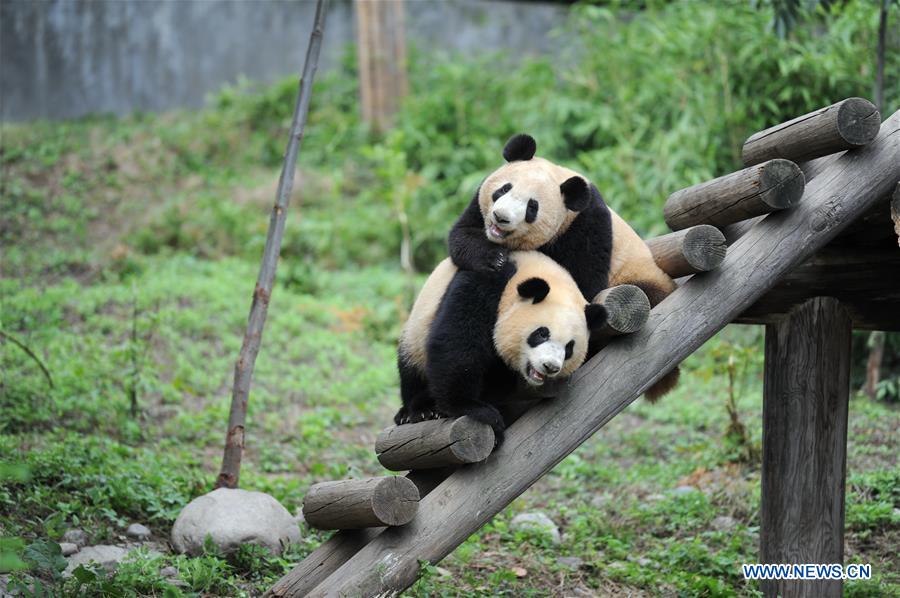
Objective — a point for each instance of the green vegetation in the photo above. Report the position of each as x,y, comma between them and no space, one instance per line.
130,246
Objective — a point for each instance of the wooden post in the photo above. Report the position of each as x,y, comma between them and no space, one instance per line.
381,46
805,397
355,504
434,443
697,249
754,191
627,310
848,124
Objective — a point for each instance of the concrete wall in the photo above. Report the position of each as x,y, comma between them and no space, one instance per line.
67,58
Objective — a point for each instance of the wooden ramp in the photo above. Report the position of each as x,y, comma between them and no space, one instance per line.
385,561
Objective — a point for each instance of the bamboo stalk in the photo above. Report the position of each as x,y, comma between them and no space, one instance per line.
243,368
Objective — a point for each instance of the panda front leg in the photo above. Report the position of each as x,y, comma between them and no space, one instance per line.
457,391
417,402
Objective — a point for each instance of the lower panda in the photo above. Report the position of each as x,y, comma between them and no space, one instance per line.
472,336
530,203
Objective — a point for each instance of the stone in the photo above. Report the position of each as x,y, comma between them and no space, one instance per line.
572,562
107,556
536,522
68,548
231,517
724,523
168,572
643,561
76,536
138,531
684,490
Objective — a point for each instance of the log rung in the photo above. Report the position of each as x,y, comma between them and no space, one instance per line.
434,443
697,249
357,504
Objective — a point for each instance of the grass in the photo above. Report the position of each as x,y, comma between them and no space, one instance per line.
130,247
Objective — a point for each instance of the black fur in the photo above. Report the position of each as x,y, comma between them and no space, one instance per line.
531,211
464,374
538,337
501,192
595,314
519,147
584,249
535,289
576,193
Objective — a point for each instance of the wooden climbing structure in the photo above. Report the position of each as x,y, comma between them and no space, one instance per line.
811,253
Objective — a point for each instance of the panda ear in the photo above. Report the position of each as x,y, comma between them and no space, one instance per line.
575,193
595,314
519,147
534,288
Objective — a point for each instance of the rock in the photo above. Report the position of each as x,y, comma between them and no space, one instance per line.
684,490
617,566
106,556
168,572
68,548
232,517
138,531
572,562
724,523
536,522
76,536
643,561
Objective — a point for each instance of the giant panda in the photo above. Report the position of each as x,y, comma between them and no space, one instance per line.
472,336
533,204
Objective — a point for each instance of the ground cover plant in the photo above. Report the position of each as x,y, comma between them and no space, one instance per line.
130,245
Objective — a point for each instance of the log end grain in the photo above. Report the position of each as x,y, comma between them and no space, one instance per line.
395,500
704,247
781,184
858,121
627,308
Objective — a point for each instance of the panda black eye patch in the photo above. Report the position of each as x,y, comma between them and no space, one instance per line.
501,191
531,211
541,335
570,348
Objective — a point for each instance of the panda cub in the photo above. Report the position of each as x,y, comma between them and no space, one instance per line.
531,203
471,335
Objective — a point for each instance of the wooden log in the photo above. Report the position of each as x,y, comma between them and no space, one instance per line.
864,279
434,443
697,249
805,398
627,309
848,124
621,372
355,504
343,544
754,191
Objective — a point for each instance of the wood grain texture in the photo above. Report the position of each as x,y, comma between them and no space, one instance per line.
627,310
895,212
866,280
805,398
847,124
434,443
355,504
697,249
622,371
753,191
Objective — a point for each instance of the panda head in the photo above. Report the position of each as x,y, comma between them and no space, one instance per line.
529,201
544,322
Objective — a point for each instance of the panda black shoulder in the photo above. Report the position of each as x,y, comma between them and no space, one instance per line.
585,248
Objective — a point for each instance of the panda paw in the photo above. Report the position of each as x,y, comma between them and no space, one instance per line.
401,417
495,259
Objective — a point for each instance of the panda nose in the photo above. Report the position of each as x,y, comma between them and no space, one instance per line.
550,367
501,217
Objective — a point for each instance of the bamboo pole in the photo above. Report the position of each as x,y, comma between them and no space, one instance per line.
243,368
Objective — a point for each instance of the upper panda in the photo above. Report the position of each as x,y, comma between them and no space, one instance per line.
471,335
532,203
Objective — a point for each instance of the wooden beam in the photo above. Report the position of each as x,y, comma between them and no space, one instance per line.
754,191
697,249
355,504
434,443
866,280
848,124
621,372
805,398
895,212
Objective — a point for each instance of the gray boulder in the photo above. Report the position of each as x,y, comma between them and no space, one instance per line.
106,556
232,517
724,523
138,531
536,522
76,537
68,548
